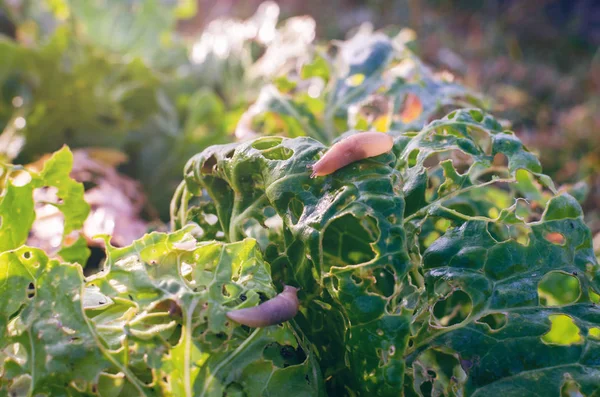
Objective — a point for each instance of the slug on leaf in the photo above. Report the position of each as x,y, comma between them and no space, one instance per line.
281,308
355,147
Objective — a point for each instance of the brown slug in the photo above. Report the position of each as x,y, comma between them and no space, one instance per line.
281,308
353,148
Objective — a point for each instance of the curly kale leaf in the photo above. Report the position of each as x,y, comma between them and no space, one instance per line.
427,269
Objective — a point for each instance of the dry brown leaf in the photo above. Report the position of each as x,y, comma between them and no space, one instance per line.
412,108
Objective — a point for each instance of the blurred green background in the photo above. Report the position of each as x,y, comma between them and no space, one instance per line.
157,81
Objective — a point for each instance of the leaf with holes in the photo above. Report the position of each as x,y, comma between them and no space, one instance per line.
17,205
373,82
508,269
448,266
340,238
152,323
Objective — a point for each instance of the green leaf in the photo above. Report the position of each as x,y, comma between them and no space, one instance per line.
332,236
78,252
374,82
508,289
318,67
56,173
50,324
430,268
17,203
151,323
133,27
16,210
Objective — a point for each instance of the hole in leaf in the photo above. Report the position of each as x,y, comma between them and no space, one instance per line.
347,240
215,339
495,321
21,179
563,331
570,388
269,211
335,283
520,233
208,165
594,333
384,281
437,367
477,115
277,153
555,238
143,374
428,239
283,355
454,309
30,291
94,262
426,388
211,219
412,157
225,290
274,222
500,160
466,364
266,143
461,161
175,337
356,278
498,231
432,160
16,352
169,306
262,297
558,288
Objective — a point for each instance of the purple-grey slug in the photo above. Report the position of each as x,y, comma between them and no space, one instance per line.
353,148
281,308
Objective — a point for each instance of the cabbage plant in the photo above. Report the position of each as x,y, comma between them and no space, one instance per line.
449,266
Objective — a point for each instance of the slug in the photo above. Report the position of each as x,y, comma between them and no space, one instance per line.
281,308
355,147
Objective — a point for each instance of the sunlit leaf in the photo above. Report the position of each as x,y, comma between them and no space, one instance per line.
427,268
141,327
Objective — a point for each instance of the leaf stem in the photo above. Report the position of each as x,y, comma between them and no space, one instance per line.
188,348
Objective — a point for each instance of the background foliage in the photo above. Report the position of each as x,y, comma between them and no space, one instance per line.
450,266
